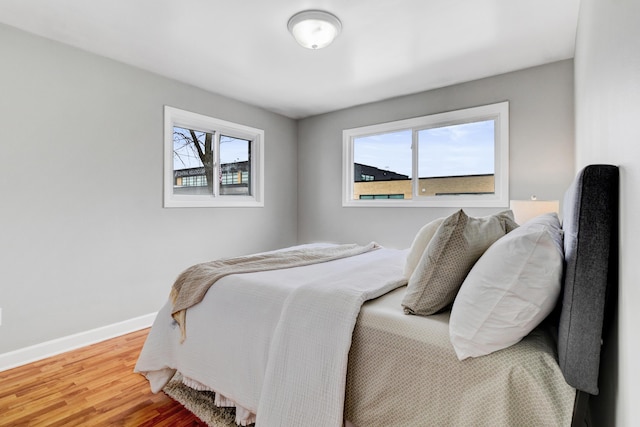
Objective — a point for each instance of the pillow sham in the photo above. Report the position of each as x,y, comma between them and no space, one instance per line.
510,290
420,242
457,244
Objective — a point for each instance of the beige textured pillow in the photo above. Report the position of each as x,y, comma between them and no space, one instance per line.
456,246
419,244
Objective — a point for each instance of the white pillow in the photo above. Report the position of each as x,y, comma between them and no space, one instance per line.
510,290
419,244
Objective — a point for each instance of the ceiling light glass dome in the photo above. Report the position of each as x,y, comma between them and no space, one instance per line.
314,29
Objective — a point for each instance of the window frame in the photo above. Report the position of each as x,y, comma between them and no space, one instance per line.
500,198
199,122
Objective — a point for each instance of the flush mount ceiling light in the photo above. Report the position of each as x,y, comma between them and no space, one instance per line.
314,29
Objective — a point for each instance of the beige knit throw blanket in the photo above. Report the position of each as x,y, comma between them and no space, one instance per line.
192,284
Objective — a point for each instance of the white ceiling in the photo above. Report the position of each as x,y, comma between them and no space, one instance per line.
242,49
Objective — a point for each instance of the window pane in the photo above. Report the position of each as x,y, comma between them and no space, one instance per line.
192,161
382,166
210,162
235,170
457,159
452,159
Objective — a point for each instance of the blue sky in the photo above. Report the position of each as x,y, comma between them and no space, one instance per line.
462,149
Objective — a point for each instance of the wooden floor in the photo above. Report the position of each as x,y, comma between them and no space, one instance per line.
92,386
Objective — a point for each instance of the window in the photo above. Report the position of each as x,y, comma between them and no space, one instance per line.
211,162
458,159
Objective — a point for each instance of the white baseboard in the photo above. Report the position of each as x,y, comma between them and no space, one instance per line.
46,349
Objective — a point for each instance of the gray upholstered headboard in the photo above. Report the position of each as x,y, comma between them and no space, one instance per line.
590,223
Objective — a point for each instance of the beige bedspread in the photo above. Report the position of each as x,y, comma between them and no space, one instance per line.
403,371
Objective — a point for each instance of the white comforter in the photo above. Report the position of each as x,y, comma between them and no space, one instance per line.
275,342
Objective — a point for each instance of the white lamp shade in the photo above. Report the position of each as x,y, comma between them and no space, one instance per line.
314,29
524,210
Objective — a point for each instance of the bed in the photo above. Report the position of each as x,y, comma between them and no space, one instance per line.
347,336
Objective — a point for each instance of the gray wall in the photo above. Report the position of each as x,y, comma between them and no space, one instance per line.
541,152
85,240
607,99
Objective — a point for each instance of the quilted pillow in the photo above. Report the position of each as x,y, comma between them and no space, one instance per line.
457,244
419,244
510,290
